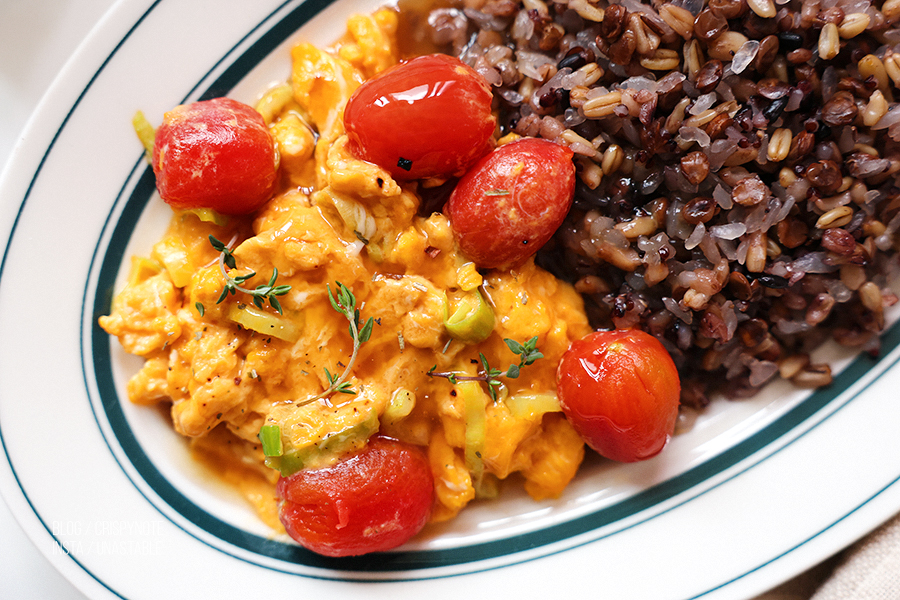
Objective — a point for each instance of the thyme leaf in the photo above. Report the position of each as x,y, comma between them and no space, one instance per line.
528,353
344,302
234,284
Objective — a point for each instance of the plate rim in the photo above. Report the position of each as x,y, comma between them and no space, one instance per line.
4,183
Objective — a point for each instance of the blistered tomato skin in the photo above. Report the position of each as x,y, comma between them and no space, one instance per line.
620,391
371,502
215,154
512,201
427,117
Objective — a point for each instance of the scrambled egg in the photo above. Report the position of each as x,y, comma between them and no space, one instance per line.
228,368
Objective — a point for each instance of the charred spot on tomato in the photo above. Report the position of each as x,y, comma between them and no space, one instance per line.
405,164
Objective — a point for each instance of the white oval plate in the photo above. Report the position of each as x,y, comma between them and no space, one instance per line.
757,492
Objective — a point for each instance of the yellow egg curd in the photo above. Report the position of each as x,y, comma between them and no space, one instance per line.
228,366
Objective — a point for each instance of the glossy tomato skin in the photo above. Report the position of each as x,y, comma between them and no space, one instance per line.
370,502
512,201
215,154
427,117
620,391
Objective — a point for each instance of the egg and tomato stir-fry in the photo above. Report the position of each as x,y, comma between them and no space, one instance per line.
356,365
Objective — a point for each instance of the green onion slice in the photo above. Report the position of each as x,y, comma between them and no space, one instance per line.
270,437
472,319
145,132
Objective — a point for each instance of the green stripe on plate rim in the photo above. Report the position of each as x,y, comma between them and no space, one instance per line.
413,564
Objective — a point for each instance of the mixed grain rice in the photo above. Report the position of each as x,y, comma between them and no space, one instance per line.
738,166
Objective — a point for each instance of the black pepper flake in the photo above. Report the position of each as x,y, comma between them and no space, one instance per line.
404,163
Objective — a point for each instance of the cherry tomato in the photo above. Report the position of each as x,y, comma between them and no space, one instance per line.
215,154
427,117
370,502
620,391
510,203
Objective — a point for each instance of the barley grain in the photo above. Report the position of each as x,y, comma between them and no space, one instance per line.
875,109
872,66
637,227
726,45
756,252
679,19
829,42
763,8
853,25
836,217
891,10
662,59
870,296
602,106
813,376
612,159
779,144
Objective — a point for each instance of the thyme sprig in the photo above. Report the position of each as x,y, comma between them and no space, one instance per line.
233,285
344,302
527,353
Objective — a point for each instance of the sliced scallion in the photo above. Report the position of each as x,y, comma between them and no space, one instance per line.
145,132
470,318
270,437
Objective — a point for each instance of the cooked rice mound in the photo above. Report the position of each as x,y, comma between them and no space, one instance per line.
738,168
